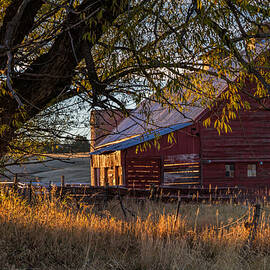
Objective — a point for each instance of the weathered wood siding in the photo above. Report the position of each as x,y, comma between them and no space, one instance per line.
181,173
106,169
143,172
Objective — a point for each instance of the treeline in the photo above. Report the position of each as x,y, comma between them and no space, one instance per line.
69,145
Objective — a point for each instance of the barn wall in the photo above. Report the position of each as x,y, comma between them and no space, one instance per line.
214,174
140,166
143,172
106,169
249,143
178,159
184,147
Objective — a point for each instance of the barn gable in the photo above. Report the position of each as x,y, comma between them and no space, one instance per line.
103,122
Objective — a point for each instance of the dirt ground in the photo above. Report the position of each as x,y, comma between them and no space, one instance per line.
75,168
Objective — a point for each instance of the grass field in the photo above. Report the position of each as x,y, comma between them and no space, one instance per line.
54,235
75,168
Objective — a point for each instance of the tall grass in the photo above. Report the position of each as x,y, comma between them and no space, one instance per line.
49,234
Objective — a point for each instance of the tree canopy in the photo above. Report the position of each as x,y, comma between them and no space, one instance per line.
112,53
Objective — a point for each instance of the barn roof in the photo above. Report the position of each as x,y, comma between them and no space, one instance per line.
138,122
129,142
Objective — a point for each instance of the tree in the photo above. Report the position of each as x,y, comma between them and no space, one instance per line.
114,52
44,41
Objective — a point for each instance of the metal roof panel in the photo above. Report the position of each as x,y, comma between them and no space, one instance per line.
140,139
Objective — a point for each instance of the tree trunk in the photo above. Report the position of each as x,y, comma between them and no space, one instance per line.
50,73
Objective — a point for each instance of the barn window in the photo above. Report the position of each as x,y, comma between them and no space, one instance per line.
229,170
251,170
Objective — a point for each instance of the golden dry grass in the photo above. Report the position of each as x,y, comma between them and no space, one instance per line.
54,235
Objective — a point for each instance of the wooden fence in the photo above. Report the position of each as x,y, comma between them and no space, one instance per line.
89,193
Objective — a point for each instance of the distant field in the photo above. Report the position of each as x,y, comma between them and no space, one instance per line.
75,168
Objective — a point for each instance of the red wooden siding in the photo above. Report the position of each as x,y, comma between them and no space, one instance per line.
250,139
179,160
142,173
185,145
249,143
262,177
214,174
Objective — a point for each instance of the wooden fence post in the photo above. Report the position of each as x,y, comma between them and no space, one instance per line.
62,186
107,194
255,221
161,194
62,180
121,203
50,190
178,207
30,192
153,192
15,182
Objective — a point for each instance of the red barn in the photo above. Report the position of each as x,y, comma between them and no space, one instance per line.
184,152
179,150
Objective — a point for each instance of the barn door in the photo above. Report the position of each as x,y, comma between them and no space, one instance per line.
143,172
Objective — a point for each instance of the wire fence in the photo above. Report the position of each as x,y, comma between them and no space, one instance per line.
251,222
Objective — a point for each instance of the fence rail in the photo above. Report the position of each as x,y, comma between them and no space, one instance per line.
162,193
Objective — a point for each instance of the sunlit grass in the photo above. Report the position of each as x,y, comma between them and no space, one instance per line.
51,235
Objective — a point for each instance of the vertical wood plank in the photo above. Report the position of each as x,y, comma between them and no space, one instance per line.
102,176
121,176
93,177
